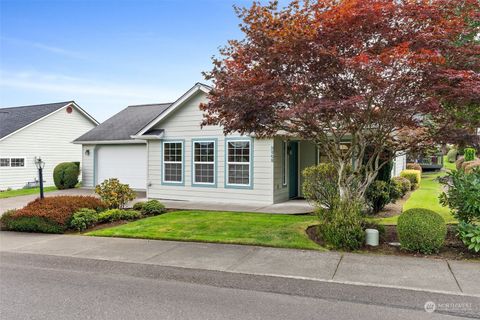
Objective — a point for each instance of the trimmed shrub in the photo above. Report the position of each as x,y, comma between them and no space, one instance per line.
153,207
462,195
403,184
452,155
385,172
421,230
33,224
115,194
378,195
65,175
341,227
138,206
56,212
459,162
320,185
414,176
4,218
117,214
83,219
469,154
470,235
469,166
414,166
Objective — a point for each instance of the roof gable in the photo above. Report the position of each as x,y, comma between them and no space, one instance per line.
198,87
124,124
13,119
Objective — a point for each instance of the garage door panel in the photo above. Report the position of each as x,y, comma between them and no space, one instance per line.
128,163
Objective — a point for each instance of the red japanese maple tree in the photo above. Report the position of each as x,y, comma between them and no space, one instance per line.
351,75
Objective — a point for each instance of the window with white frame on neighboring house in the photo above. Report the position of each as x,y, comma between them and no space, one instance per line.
12,162
238,162
173,162
204,162
4,162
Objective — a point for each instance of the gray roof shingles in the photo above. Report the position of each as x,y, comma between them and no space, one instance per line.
124,124
15,118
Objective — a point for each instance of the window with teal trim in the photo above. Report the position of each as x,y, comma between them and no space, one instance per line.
204,162
238,163
172,162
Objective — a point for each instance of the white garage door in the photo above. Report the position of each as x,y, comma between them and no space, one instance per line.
128,163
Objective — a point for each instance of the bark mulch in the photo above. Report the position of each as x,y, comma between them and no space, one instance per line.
453,249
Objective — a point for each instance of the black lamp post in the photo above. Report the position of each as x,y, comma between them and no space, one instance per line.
40,164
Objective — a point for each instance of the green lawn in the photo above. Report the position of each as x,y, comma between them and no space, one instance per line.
272,230
24,192
426,196
448,165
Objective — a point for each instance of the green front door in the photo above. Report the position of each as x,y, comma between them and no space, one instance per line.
293,169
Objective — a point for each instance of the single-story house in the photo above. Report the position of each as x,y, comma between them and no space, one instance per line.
46,131
162,149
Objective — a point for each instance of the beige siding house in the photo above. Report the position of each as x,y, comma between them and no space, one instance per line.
45,131
186,162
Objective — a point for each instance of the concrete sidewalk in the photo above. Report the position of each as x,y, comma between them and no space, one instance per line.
434,275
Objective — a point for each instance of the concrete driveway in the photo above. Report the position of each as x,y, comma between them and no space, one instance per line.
21,201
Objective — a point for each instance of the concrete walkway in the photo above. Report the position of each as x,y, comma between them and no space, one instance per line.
457,277
289,207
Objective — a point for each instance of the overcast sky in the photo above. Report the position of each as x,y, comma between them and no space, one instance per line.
106,55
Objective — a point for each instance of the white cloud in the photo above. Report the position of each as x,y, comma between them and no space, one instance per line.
37,81
45,47
102,99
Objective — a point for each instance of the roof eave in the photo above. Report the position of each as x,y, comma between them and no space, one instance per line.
130,141
193,90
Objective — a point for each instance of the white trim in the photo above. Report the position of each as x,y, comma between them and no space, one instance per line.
194,175
9,167
147,137
285,163
197,87
111,142
181,162
249,163
85,114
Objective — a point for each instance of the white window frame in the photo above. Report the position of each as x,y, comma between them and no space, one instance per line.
249,163
7,158
10,162
285,163
181,162
205,162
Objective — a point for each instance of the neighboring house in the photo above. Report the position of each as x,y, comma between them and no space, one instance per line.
183,161
46,131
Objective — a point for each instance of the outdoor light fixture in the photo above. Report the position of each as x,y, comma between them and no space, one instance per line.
40,164
87,152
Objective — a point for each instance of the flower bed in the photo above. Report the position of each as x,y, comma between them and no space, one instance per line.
50,215
453,248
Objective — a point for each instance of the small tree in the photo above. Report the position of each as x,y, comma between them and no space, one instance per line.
115,194
356,77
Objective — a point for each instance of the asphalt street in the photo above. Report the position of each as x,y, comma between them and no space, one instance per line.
48,287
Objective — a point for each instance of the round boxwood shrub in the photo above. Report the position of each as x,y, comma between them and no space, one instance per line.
402,184
65,175
83,219
138,206
452,155
153,207
421,230
414,166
